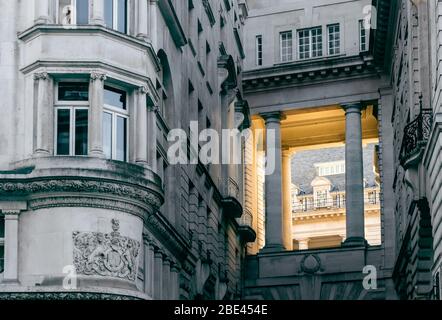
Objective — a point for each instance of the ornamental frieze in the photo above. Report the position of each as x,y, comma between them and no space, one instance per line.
106,254
83,185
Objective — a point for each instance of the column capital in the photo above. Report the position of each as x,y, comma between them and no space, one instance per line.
143,90
98,76
286,152
270,117
175,267
41,76
11,214
352,107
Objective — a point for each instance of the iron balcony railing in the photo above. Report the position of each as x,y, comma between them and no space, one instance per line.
416,135
330,204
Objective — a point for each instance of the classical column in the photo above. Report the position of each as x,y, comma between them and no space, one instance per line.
96,115
354,176
151,138
44,115
273,184
97,12
153,22
158,280
175,281
149,259
287,198
11,246
167,290
141,132
42,15
143,19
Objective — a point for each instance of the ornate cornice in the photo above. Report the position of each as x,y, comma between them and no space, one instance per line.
80,185
64,296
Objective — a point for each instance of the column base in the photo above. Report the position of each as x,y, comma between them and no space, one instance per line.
355,242
273,248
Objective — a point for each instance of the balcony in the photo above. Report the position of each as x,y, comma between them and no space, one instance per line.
246,231
416,135
308,204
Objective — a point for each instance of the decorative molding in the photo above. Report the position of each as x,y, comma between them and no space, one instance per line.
311,264
87,202
98,76
41,76
106,254
81,186
64,296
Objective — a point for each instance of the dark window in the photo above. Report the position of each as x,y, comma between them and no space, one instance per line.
114,97
107,135
121,138
73,91
81,132
63,132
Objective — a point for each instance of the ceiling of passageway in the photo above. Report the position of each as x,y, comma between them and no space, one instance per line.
321,127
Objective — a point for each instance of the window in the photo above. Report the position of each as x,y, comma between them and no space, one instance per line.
115,124
71,119
334,39
286,46
259,50
73,11
310,43
2,243
363,33
115,14
330,169
321,198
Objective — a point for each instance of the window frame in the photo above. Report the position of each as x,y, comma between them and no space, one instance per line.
259,51
2,244
290,42
310,38
115,15
116,112
72,106
337,50
363,34
74,13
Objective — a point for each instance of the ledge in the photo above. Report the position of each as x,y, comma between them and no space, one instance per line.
37,30
172,22
232,207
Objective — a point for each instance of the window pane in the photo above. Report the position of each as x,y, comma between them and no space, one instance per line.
109,13
121,138
122,8
65,12
82,11
115,98
2,227
2,255
73,91
81,126
63,131
107,135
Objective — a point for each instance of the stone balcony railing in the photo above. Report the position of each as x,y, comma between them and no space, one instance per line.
246,226
416,135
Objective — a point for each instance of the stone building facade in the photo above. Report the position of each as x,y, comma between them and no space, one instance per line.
318,198
90,206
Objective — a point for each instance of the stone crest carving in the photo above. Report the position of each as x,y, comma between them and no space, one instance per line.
311,264
106,254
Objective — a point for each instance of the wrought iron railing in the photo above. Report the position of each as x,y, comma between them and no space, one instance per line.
330,204
416,135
